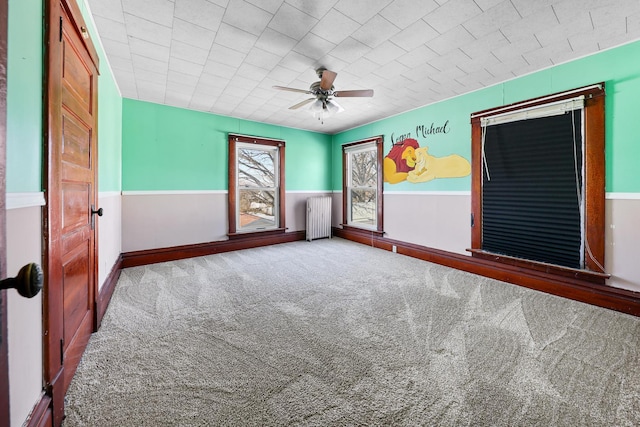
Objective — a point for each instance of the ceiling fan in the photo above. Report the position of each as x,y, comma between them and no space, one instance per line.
323,92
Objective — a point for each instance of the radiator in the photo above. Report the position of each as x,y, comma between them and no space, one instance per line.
318,217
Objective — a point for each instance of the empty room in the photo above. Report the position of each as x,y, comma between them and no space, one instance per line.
310,213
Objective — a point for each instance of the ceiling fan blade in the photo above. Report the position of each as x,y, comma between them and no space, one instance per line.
326,83
354,93
301,104
291,89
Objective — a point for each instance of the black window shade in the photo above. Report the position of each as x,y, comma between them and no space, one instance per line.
530,201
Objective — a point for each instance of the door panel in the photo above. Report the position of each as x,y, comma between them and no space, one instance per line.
71,288
76,75
77,191
76,142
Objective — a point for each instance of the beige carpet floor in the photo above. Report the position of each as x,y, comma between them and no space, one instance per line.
336,333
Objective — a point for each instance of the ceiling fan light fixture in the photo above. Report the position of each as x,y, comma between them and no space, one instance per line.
316,107
333,107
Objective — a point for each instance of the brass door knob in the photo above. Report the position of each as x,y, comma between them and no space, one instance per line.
28,282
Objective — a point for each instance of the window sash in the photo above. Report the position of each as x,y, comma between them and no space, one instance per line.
240,189
353,217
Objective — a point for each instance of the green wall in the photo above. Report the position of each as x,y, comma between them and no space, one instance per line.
25,108
168,148
109,118
619,68
24,96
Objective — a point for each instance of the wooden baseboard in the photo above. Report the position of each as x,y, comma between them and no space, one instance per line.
106,291
576,289
152,256
41,415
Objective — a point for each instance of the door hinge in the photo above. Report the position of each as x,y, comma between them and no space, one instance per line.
472,220
62,351
61,28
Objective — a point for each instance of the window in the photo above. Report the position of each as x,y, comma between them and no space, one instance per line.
362,184
256,184
538,182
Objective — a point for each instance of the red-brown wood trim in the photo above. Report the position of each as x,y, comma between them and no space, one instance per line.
362,231
235,236
344,187
282,223
590,91
476,184
590,276
232,193
380,198
41,415
594,171
594,176
106,291
5,398
579,290
152,256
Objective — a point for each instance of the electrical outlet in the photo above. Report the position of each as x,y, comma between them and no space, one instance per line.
394,249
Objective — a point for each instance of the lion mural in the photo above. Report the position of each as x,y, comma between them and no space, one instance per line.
408,161
400,161
428,167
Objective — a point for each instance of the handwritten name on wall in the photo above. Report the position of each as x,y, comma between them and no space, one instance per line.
408,161
422,131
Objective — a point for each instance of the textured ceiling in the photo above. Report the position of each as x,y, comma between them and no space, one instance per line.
224,56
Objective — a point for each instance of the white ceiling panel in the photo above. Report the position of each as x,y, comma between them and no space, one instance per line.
247,17
146,30
335,27
415,35
292,22
361,10
403,13
148,50
110,9
158,11
376,31
199,12
193,34
225,56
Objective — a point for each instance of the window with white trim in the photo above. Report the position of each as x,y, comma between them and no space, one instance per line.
362,184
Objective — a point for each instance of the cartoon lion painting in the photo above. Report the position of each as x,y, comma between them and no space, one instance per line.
428,167
400,161
408,161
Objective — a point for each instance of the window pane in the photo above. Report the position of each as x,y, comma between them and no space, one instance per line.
256,168
257,209
363,169
363,207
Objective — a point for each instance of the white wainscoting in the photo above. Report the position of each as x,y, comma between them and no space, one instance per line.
24,316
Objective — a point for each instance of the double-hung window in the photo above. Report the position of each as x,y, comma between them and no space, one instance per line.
538,183
256,190
362,184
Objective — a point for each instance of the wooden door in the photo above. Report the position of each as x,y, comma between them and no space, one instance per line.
70,231
4,363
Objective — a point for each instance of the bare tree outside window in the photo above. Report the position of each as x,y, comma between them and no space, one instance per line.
364,175
257,187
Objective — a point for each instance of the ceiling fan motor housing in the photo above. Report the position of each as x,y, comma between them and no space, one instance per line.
317,90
